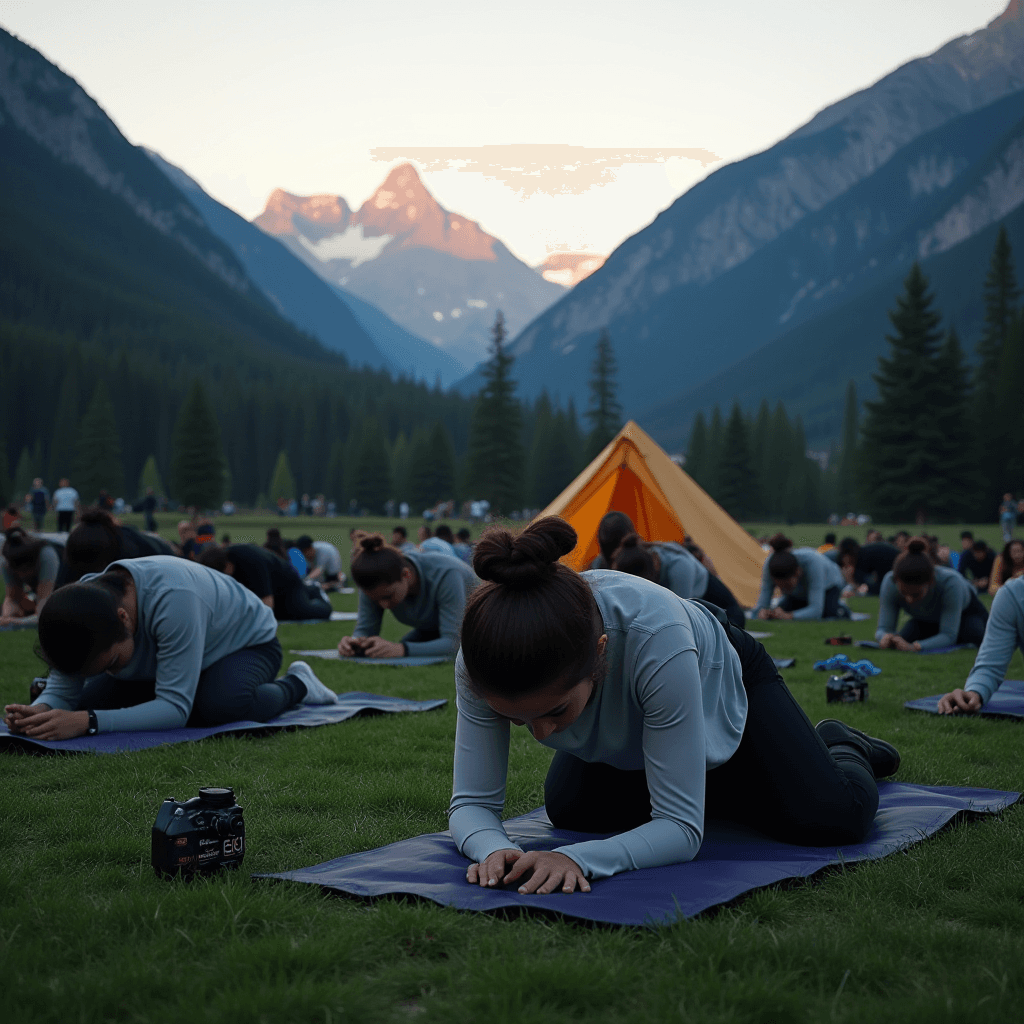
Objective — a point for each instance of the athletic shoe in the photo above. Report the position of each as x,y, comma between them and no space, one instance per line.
883,757
316,692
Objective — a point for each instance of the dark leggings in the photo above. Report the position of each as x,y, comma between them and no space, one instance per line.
832,609
239,687
719,594
972,626
782,780
301,602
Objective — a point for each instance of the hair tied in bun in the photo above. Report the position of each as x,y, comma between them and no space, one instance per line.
371,542
521,561
917,546
632,541
780,542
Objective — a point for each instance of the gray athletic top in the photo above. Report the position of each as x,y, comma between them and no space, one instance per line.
683,574
47,567
819,574
445,584
189,616
671,702
1005,630
328,557
944,603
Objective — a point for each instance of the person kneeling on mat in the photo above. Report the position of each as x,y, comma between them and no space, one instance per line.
422,589
273,581
811,584
1004,632
661,713
675,569
159,643
943,607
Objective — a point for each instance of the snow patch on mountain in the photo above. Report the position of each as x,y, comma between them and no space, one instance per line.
351,245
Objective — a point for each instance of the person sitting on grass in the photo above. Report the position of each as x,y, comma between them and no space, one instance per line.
324,561
943,607
661,714
1004,633
30,567
159,643
976,563
272,580
422,589
100,539
1008,566
677,570
811,584
864,565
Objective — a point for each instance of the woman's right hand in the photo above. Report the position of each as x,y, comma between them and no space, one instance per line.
349,645
965,702
494,869
16,715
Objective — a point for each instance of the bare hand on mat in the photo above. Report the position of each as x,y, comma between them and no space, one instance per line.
894,642
369,647
966,702
773,613
547,872
41,723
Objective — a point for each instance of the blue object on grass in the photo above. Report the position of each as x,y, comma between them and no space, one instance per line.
732,861
303,716
862,668
1006,702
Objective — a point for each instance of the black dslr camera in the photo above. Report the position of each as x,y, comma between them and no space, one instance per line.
199,835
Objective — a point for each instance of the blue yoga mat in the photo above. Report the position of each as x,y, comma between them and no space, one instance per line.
732,861
784,662
12,626
331,654
1006,702
303,716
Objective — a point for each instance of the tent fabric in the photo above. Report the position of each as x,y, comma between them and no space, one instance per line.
303,716
634,475
1006,702
732,861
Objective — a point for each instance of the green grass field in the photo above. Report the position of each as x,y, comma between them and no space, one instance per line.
88,933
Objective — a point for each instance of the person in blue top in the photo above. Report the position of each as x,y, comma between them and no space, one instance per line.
1007,516
1004,633
159,643
943,607
661,713
422,589
811,584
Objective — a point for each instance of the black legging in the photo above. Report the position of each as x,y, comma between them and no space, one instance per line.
301,602
832,609
782,780
719,594
239,687
972,626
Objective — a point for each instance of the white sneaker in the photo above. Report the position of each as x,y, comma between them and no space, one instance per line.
316,692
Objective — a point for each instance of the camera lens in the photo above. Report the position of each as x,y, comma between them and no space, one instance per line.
217,797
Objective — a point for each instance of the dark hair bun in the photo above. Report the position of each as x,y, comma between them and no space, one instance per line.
371,542
520,561
631,541
96,516
918,546
779,542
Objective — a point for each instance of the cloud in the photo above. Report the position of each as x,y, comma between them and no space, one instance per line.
539,169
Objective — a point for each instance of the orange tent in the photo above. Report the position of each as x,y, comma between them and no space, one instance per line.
633,475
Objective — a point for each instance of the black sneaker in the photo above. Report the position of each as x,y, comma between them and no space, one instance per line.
883,757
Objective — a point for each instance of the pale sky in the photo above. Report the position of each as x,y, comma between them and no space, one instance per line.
252,95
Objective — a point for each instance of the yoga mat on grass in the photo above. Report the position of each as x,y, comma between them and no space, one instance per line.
331,654
335,617
859,616
758,635
12,626
732,861
784,662
874,645
304,716
1006,702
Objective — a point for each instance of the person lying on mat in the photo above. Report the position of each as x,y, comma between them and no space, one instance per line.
811,584
30,567
943,607
422,589
158,643
677,570
272,580
661,713
100,539
1004,632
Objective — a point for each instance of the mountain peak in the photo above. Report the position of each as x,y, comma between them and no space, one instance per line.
278,215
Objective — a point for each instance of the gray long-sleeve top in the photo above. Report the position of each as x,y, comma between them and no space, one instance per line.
189,617
944,604
1005,630
671,702
445,583
819,574
681,572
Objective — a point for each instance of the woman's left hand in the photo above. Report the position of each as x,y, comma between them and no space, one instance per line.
548,872
54,724
377,647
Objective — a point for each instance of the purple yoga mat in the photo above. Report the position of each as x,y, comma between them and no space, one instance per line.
304,716
1006,702
732,861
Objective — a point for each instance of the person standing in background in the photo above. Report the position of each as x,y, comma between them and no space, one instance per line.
1008,517
65,504
39,500
147,507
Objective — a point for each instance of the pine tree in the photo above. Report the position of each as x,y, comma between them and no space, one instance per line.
605,413
98,463
1010,408
759,434
401,465
334,484
902,469
282,483
846,468
197,459
6,483
371,485
554,463
65,424
698,463
716,438
432,468
734,467
150,477
540,448
24,474
574,439
778,463
495,458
